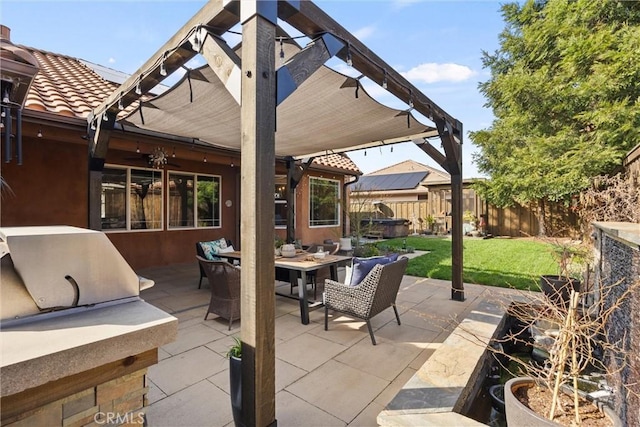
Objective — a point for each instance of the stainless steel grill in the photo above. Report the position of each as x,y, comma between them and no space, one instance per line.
54,268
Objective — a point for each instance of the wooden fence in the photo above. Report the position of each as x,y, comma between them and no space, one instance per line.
515,221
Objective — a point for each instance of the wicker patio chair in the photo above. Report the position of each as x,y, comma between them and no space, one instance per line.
224,280
376,293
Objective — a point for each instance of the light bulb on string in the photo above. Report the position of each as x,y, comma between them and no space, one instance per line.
281,51
137,147
120,104
384,80
163,69
349,59
205,158
39,134
174,152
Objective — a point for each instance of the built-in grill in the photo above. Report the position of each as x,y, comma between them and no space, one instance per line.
72,323
54,268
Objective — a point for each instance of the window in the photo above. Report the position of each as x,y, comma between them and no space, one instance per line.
194,201
282,208
324,202
131,199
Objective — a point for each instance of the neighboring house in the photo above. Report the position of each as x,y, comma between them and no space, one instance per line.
412,191
160,194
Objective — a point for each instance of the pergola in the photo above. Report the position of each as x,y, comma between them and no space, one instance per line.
243,101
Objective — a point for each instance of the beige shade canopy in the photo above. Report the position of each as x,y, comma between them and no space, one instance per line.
322,116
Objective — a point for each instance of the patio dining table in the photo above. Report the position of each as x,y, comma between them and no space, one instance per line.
302,262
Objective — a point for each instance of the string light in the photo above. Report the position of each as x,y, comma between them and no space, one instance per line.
410,99
120,104
281,51
137,147
205,158
163,70
105,117
138,89
174,152
39,135
349,59
384,80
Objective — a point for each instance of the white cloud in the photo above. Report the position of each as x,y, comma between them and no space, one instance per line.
364,32
112,60
432,72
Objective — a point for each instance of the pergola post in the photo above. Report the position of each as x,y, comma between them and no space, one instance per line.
258,122
457,285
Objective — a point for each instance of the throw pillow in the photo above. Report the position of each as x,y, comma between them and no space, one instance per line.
362,266
212,248
225,250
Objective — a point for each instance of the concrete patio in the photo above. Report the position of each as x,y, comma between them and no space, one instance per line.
323,378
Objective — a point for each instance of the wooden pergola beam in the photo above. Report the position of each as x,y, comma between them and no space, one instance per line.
304,63
223,61
217,15
310,20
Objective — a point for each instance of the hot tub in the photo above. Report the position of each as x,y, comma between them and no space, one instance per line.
388,227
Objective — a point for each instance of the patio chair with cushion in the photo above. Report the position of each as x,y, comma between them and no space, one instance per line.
224,280
364,300
209,250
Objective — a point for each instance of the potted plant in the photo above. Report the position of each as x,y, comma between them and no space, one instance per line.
550,392
431,221
235,379
571,257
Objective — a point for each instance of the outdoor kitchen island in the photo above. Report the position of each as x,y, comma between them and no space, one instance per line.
76,339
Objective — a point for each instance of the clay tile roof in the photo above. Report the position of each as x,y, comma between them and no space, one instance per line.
338,161
66,86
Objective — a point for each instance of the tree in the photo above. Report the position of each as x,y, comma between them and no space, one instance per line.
565,91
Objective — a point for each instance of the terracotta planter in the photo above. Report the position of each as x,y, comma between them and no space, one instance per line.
518,414
235,385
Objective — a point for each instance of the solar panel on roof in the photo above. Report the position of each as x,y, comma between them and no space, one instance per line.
396,181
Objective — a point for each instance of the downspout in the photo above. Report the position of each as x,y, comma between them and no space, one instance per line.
345,211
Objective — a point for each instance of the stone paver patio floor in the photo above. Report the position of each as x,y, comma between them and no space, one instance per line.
323,378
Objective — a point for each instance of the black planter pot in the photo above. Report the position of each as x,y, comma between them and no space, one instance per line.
235,385
558,288
496,392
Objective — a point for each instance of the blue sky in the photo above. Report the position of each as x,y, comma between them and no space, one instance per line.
437,45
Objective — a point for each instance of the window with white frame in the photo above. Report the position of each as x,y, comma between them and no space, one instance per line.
131,199
194,201
324,202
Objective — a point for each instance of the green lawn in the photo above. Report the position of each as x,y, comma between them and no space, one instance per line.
516,263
